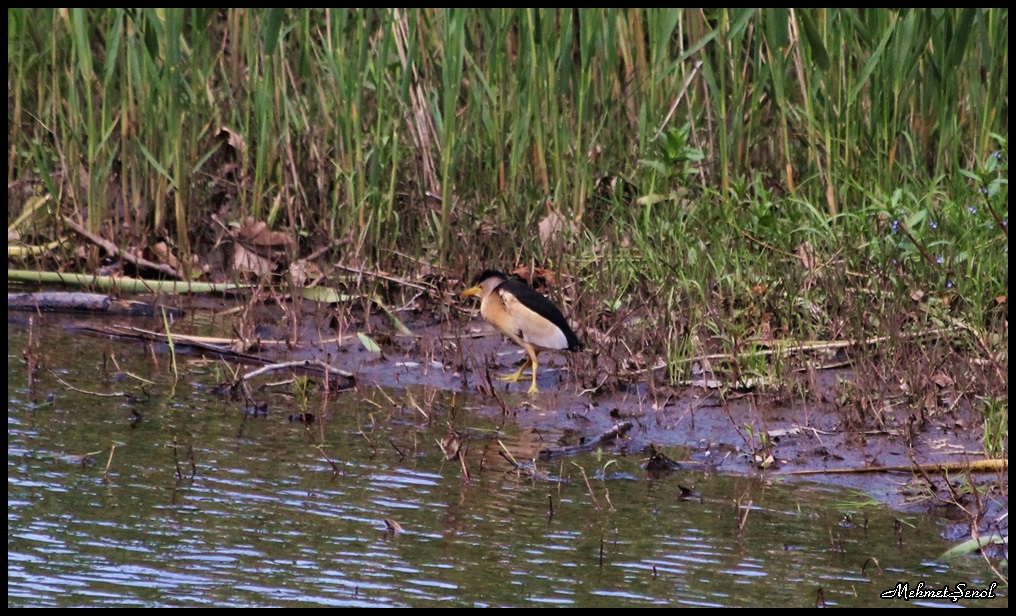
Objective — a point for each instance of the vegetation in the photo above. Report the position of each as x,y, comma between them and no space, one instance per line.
724,182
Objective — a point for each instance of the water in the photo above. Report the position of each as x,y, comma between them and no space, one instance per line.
177,498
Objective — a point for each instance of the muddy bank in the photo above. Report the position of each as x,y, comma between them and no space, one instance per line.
767,434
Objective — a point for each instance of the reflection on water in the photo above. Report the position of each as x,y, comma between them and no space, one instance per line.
197,505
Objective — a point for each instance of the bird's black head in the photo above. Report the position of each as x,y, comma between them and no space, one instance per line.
488,273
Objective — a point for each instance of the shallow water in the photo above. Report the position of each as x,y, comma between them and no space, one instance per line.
176,497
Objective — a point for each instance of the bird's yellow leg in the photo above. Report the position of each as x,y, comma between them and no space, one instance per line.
533,389
514,377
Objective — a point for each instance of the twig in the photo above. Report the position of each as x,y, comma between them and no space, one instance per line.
109,462
116,394
616,431
589,487
297,364
335,467
787,348
977,466
677,100
362,272
112,250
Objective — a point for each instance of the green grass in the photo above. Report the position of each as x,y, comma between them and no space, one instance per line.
735,175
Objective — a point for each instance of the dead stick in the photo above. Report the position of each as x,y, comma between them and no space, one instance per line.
614,432
112,249
945,467
115,394
297,364
400,281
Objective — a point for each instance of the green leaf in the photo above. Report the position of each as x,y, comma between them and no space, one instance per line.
396,322
158,166
368,343
740,22
815,44
916,218
869,67
324,295
776,26
273,24
970,546
961,36
970,174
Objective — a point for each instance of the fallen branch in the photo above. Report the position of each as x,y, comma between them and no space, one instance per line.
402,281
115,394
226,348
342,380
112,250
784,348
303,365
123,284
222,347
616,431
976,466
61,301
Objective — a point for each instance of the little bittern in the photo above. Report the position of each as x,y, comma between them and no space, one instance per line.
520,312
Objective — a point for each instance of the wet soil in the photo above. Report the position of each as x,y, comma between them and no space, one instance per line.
770,435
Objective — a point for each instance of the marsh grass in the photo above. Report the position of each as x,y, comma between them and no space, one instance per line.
736,176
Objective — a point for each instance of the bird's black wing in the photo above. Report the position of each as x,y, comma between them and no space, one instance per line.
542,306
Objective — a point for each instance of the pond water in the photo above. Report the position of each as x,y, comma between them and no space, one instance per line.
175,496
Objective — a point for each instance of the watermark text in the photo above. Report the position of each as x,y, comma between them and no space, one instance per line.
958,592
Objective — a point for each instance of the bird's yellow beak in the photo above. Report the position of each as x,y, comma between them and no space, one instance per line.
472,291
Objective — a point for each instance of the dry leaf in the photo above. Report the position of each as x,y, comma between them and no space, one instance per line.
806,254
233,138
556,226
304,273
537,277
393,527
257,233
164,255
450,445
245,260
257,248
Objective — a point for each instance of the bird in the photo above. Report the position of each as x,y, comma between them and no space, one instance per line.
523,314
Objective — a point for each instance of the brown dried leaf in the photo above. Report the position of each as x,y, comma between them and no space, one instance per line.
233,138
942,380
245,260
393,527
165,255
450,445
304,273
537,277
257,233
557,226
806,253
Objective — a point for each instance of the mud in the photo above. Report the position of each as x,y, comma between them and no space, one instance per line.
770,435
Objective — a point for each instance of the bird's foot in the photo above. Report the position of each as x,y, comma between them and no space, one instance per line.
513,377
